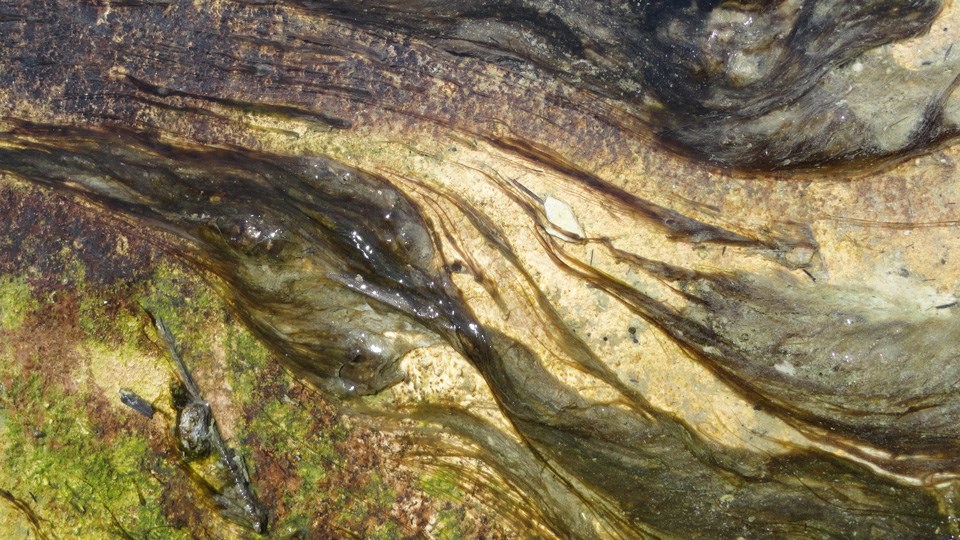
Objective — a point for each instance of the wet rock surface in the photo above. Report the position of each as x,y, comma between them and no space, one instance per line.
376,193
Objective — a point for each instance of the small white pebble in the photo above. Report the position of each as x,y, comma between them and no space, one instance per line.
786,368
561,216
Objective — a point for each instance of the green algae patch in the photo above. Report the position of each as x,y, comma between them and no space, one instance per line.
106,316
247,360
188,306
442,485
84,480
450,525
16,301
285,427
74,461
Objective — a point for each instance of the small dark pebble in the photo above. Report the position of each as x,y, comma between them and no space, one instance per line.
39,434
135,402
195,430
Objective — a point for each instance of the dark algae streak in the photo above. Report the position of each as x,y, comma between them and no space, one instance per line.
725,82
373,188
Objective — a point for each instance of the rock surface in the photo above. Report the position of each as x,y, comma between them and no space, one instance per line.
613,269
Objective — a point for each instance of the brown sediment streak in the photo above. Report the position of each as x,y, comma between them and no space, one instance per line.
780,241
282,111
521,298
675,224
742,327
23,507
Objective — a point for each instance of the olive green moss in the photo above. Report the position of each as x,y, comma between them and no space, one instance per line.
16,300
188,306
246,358
83,486
450,524
443,486
90,473
287,427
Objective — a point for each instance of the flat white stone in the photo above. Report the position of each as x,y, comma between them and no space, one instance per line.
786,368
561,216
